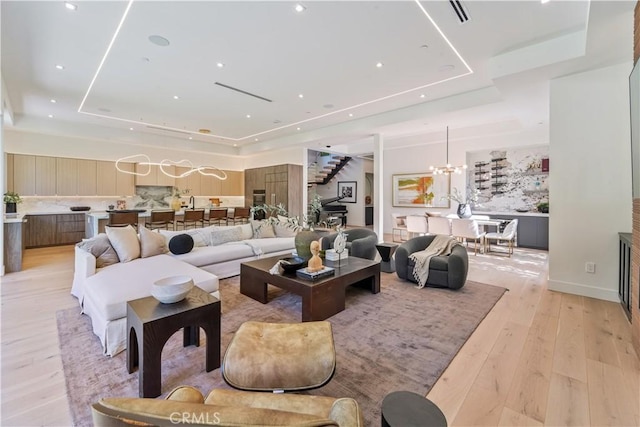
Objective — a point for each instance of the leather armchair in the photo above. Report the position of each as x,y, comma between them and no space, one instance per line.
186,405
448,271
361,242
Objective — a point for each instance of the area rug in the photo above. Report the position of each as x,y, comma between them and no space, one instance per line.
400,339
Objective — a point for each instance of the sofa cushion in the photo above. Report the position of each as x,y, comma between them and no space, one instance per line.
246,230
275,244
284,229
225,235
181,244
215,254
151,243
100,247
262,229
125,242
111,288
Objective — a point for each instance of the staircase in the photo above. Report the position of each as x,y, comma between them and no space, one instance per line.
328,171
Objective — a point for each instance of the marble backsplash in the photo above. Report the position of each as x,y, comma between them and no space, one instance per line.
52,204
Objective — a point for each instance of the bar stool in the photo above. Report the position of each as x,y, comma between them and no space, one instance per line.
191,217
218,216
240,215
161,219
122,219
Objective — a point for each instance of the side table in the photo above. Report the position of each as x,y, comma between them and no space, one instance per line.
150,323
386,250
407,409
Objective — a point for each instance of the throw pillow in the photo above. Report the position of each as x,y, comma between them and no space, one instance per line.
151,243
283,229
181,244
125,242
246,231
100,247
262,229
225,235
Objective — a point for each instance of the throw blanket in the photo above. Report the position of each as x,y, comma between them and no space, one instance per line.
441,245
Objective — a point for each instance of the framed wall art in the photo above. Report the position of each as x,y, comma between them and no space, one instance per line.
348,189
420,190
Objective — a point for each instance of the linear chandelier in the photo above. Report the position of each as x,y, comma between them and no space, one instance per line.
202,170
448,169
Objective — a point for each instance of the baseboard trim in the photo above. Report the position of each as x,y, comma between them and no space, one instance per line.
584,290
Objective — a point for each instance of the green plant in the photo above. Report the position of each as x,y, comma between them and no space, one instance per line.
543,207
11,197
274,213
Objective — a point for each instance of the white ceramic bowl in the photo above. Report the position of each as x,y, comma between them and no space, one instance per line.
171,289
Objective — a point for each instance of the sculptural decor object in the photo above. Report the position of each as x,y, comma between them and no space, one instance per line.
315,263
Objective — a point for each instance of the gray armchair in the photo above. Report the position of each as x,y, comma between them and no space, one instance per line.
361,242
448,271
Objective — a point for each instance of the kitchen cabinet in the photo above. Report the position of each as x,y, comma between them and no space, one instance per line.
155,176
24,174
76,177
54,229
192,182
45,176
9,171
282,184
210,186
125,182
112,182
233,185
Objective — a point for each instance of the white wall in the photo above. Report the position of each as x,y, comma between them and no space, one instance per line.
416,156
590,184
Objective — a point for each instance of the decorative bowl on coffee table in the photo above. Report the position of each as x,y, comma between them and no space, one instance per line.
171,289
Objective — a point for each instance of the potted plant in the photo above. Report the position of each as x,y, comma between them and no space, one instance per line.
11,200
464,202
543,207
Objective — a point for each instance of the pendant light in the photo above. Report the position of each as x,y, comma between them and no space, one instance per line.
448,169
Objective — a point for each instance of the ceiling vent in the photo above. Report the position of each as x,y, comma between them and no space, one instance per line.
242,91
460,11
168,130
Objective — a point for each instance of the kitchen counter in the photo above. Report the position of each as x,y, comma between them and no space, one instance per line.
147,213
14,219
511,213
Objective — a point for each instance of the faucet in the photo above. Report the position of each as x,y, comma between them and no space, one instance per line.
192,201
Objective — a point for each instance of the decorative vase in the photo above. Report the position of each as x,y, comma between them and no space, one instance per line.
176,204
464,210
303,240
11,207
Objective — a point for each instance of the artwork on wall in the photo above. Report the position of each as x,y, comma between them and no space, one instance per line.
348,189
419,190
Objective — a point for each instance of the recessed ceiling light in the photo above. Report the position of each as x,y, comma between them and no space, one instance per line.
235,145
190,138
422,95
544,1
53,101
299,8
256,140
219,65
51,116
300,95
276,121
60,67
297,128
158,40
379,64
329,106
70,6
248,116
176,97
350,114
130,128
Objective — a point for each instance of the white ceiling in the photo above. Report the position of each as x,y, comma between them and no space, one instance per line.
490,74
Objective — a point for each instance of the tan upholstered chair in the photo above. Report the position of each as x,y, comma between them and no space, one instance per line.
161,219
260,357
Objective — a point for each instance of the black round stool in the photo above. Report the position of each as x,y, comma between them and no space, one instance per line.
407,409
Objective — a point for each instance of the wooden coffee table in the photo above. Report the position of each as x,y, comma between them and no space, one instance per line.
322,298
151,323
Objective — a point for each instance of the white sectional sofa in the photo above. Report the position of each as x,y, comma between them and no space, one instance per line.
103,291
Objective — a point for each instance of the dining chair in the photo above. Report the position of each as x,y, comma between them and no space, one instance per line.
191,217
468,229
218,216
121,219
399,225
508,235
240,215
439,225
417,225
161,219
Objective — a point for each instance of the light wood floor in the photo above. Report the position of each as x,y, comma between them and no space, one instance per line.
539,358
